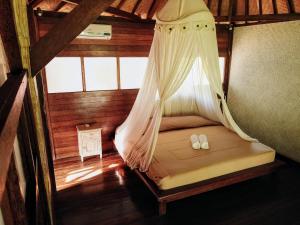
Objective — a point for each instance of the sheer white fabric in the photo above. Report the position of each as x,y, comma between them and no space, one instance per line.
183,57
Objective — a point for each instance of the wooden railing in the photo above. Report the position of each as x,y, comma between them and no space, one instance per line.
11,101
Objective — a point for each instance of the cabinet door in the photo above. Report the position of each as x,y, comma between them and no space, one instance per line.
90,143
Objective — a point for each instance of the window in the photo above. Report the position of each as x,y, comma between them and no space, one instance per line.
63,74
75,74
205,81
132,71
100,73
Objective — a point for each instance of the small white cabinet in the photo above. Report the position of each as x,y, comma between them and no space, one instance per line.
89,140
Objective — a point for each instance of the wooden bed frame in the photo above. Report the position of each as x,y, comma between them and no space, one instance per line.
165,196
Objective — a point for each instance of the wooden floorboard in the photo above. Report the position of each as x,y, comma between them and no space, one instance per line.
117,196
71,171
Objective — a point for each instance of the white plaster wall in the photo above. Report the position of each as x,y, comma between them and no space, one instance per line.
264,88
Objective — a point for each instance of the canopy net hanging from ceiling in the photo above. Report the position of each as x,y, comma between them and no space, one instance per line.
182,78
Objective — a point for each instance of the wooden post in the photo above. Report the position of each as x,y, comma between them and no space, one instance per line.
9,37
36,102
162,208
26,148
16,200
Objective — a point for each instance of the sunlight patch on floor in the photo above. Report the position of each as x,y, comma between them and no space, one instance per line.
113,165
90,175
77,172
77,175
83,169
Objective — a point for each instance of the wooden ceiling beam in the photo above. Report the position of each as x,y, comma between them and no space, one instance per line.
266,17
35,3
122,13
155,6
152,9
137,4
100,20
121,4
112,10
65,31
74,2
59,6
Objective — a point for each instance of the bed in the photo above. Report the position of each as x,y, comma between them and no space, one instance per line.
176,163
177,171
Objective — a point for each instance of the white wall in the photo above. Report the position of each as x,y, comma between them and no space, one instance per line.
264,87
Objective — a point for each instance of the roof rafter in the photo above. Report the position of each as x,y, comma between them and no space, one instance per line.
59,6
121,4
266,17
137,4
112,10
122,13
76,2
155,6
35,3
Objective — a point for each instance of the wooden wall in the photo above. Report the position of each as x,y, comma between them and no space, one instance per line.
128,38
106,108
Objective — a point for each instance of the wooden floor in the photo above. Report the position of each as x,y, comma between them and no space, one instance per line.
71,171
114,195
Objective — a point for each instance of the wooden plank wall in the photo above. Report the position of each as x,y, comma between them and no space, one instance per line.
128,39
107,108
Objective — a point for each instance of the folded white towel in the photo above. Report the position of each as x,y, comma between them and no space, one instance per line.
195,141
203,141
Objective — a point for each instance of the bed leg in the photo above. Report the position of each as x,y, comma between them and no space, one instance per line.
162,208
